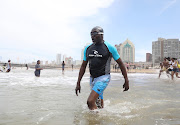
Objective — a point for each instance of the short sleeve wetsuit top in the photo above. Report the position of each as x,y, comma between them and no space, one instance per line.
37,71
99,58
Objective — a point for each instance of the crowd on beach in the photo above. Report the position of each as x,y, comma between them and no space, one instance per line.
171,66
7,67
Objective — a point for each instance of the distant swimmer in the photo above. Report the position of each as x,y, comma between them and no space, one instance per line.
26,66
72,66
9,66
127,66
99,55
4,66
37,69
63,65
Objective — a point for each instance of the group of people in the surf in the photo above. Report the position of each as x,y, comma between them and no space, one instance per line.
171,66
6,68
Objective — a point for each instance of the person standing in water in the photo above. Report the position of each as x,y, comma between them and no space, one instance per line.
9,66
72,66
99,55
4,67
37,69
27,66
63,65
175,68
164,67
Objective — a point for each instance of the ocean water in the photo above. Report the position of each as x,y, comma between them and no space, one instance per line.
51,100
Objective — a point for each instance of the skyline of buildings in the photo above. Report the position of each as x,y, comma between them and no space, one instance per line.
160,49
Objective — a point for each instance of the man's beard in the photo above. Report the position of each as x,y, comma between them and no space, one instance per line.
98,40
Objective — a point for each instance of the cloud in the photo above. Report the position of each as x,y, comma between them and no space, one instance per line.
48,26
170,3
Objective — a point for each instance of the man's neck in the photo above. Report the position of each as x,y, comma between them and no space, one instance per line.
99,42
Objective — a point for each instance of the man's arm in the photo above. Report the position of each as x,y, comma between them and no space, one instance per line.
81,73
39,68
124,73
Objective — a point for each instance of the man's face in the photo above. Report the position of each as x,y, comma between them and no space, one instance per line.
39,62
96,38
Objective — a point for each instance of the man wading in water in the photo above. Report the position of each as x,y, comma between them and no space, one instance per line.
99,55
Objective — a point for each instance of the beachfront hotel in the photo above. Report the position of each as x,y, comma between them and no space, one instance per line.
165,48
126,51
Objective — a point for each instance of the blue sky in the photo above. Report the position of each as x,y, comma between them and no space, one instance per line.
31,30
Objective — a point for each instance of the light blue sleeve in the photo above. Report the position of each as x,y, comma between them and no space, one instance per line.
113,50
84,58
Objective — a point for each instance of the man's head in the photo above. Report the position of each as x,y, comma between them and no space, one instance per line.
9,60
97,34
38,62
169,59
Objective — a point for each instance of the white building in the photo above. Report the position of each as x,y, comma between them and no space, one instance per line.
58,59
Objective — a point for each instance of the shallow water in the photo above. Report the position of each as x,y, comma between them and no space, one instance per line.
51,100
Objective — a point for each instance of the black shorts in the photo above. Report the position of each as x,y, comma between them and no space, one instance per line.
37,73
169,69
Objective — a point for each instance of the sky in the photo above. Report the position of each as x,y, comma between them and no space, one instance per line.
39,29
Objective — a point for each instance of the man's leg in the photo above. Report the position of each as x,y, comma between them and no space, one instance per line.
172,75
177,75
167,73
92,99
160,73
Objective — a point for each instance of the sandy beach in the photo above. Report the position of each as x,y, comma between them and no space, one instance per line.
151,71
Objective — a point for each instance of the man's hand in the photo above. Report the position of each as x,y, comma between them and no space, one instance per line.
78,87
126,86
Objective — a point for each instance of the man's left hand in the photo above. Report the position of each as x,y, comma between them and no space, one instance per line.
126,86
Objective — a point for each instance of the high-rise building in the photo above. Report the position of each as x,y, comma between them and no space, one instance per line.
165,48
127,51
148,57
64,57
58,59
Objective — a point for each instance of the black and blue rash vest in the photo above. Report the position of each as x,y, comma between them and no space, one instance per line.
99,58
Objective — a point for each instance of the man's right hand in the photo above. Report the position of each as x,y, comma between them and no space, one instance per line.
78,88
